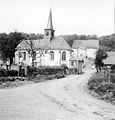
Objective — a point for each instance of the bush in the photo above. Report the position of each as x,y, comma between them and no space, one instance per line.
104,89
32,71
6,73
11,79
40,78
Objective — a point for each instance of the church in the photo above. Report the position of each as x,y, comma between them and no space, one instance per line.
49,51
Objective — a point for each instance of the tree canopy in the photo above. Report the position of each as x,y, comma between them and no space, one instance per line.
100,56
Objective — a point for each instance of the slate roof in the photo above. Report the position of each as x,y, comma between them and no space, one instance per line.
85,44
110,60
57,43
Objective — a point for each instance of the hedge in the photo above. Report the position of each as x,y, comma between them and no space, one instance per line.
6,73
32,71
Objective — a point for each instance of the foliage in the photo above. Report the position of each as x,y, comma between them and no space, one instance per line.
107,43
45,70
41,78
9,42
103,89
6,82
6,73
100,56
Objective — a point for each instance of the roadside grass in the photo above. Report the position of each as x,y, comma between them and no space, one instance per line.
16,82
12,82
101,88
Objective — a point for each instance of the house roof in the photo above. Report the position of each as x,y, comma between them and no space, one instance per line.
85,44
57,43
110,60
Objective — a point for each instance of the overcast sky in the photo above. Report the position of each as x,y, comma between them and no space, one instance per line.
69,16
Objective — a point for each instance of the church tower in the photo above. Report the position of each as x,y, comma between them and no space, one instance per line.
49,31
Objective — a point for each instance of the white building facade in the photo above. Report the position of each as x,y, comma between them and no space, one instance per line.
85,48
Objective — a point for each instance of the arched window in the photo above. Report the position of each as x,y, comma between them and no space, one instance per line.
51,55
24,55
47,33
64,55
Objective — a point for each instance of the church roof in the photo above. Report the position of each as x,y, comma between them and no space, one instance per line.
57,43
85,44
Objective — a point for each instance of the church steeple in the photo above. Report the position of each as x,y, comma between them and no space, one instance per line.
49,24
49,31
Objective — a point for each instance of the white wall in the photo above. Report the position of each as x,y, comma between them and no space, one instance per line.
45,60
82,52
91,53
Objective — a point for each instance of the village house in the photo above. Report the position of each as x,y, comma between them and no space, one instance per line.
49,51
85,48
109,66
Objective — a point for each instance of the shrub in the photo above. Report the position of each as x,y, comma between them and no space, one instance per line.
40,78
32,71
6,73
11,79
104,89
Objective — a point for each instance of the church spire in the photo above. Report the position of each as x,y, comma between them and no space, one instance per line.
49,31
50,24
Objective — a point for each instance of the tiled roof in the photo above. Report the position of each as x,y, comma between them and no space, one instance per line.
85,44
57,43
110,60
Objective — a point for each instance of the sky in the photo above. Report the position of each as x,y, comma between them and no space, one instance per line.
69,16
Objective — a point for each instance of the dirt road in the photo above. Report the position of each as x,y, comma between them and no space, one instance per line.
62,99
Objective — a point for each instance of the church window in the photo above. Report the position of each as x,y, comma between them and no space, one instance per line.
47,33
51,55
64,55
34,55
24,55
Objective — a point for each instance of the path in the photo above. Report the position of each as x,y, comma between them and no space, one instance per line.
62,99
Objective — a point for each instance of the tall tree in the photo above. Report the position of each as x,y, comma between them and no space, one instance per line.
8,43
100,56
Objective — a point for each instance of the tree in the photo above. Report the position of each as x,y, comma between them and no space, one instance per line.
100,56
33,50
8,43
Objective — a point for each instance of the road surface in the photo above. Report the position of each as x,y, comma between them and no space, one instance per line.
62,99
